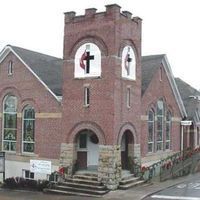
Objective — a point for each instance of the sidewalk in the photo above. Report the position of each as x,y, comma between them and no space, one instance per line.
140,192
136,193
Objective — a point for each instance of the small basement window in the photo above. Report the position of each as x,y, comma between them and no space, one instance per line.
27,174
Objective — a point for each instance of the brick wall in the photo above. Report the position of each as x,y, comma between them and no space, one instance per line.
28,90
160,89
110,31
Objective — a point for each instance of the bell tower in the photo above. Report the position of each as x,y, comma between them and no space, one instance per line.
102,84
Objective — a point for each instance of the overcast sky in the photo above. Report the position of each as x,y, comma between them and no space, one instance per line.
170,27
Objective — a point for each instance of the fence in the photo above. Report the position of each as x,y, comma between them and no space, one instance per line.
179,164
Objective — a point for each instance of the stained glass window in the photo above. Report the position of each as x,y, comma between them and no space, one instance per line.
160,117
28,129
150,131
9,123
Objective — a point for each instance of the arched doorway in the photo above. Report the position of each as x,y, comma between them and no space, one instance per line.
127,149
87,150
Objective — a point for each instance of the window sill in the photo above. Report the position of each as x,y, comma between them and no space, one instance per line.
28,154
86,106
128,107
10,152
160,152
87,77
128,79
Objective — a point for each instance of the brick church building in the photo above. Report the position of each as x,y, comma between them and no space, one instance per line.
99,107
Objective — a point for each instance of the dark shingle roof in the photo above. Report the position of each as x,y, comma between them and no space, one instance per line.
149,65
47,68
188,94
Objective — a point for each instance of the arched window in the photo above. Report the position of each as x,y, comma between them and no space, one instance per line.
9,123
168,130
160,117
128,63
28,129
151,118
87,61
10,68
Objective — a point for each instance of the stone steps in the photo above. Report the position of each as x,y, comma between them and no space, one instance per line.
79,189
131,184
83,181
128,176
54,191
129,180
85,177
80,184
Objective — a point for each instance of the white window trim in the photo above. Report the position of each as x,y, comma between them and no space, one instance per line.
128,97
24,174
86,97
10,68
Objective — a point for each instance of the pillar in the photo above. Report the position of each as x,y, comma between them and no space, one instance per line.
68,157
137,153
109,170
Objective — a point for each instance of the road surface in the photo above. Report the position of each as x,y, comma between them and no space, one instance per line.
188,190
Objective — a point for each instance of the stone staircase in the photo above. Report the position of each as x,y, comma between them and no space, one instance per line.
129,180
84,184
87,184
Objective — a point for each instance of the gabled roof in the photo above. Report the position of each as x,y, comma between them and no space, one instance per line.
189,96
47,69
150,64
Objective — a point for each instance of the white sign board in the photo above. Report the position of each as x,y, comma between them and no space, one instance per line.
40,166
186,123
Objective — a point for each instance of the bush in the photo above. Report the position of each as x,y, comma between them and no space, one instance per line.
41,184
10,183
27,184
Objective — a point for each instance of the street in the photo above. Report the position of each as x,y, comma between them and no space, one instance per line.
29,195
183,188
188,190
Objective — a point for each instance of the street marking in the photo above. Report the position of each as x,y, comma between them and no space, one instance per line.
193,185
189,186
181,186
174,197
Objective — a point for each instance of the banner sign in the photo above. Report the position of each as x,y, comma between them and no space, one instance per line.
40,166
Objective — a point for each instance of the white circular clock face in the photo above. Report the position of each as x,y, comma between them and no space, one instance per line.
87,61
128,63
